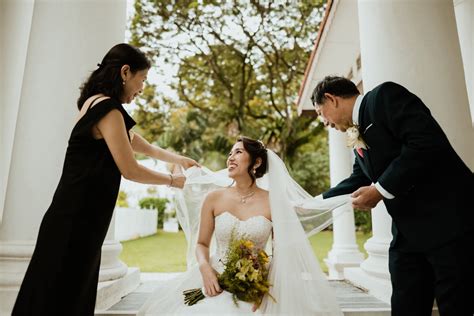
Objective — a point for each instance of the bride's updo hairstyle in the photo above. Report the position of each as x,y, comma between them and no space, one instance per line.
255,149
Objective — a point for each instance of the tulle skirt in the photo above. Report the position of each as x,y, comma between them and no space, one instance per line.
168,298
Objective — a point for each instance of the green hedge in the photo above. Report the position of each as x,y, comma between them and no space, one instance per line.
152,203
363,221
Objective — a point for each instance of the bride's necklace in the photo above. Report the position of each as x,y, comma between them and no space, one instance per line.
244,198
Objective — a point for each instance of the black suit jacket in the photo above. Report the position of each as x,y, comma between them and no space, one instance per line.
411,158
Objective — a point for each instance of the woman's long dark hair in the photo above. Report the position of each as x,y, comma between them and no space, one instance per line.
106,79
255,149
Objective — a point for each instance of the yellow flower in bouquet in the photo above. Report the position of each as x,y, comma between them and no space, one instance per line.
248,243
264,256
245,274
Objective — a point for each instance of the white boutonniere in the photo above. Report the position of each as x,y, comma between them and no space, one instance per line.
353,138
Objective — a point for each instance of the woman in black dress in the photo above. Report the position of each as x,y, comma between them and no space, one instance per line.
63,272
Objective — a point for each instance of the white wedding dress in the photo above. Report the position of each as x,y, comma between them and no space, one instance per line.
298,284
168,298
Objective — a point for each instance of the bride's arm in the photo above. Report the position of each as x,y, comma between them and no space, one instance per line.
206,229
142,146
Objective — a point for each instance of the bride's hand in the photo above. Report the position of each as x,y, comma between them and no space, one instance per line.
209,277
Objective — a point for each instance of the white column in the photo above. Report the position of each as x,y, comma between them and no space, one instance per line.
414,43
345,252
49,48
377,245
464,10
15,26
373,273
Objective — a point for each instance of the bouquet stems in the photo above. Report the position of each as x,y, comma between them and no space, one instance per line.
193,296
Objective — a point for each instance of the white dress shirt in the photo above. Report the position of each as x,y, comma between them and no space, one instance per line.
355,121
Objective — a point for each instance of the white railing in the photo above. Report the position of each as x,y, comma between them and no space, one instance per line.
134,223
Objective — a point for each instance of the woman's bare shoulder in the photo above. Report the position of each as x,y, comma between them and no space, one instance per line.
263,193
217,194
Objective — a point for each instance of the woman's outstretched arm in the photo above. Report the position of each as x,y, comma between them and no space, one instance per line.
141,145
112,128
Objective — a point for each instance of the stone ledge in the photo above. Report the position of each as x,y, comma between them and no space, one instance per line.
377,287
354,301
110,293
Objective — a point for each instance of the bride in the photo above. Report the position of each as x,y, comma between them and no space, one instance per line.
242,207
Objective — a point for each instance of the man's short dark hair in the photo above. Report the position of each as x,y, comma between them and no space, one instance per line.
338,86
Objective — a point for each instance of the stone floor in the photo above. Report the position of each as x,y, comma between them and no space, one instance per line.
353,301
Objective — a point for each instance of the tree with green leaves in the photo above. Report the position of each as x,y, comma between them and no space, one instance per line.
239,65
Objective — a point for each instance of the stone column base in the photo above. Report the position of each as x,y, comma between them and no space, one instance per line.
339,259
115,278
108,292
111,267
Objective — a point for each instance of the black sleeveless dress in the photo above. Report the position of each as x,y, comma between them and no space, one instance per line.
63,272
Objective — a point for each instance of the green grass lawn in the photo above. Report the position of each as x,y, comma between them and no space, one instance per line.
322,243
166,252
162,252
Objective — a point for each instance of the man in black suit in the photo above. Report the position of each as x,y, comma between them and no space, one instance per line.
426,187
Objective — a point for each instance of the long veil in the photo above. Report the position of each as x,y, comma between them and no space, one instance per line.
299,285
199,182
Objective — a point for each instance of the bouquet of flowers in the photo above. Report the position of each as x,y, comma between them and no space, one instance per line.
245,274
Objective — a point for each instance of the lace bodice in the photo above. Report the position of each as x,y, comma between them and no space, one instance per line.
256,228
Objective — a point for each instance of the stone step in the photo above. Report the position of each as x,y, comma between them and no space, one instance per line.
354,301
112,292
